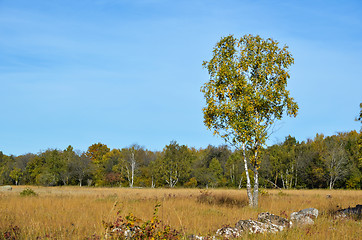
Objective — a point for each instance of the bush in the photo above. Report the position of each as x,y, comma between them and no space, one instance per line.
192,183
28,192
221,199
131,227
263,192
12,232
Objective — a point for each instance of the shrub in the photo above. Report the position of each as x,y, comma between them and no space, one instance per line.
28,192
131,227
221,199
192,183
12,232
263,192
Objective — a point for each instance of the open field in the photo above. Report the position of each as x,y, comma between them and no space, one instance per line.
77,213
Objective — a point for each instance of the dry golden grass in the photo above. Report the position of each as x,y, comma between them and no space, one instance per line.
77,213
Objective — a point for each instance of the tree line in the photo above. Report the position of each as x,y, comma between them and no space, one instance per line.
323,162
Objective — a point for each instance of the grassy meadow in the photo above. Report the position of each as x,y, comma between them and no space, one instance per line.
78,212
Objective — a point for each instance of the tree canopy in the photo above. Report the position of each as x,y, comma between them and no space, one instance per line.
247,93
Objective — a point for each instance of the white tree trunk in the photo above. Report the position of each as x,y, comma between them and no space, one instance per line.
256,188
248,183
152,183
256,183
241,179
133,166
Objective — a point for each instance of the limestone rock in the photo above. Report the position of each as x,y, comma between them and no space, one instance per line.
281,222
252,226
196,237
122,231
350,212
6,188
305,216
228,232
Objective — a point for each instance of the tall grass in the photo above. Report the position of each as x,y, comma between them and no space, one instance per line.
77,213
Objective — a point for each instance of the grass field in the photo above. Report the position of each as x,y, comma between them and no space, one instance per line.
77,213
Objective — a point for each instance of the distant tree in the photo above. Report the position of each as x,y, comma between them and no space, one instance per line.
68,157
234,170
34,168
359,118
111,159
16,174
95,153
288,162
81,167
216,172
21,162
7,163
335,158
145,169
132,157
175,164
246,94
48,170
359,141
113,178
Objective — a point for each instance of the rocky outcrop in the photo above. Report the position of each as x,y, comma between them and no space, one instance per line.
252,226
269,218
267,223
353,212
305,216
228,232
6,188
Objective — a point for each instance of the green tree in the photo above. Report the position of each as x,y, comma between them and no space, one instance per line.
234,170
335,159
216,172
16,174
81,167
51,170
68,157
174,165
110,166
132,157
246,94
95,153
6,165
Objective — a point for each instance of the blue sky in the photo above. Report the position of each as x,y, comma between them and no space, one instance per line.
124,72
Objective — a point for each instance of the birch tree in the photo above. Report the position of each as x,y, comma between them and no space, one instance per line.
335,159
131,159
246,94
174,165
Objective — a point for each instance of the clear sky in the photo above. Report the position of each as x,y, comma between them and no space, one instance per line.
125,71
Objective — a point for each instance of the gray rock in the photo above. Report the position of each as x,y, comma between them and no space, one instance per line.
6,188
281,222
252,226
228,232
122,232
196,237
305,216
350,212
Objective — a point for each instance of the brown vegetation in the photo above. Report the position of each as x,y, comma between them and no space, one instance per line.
77,213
